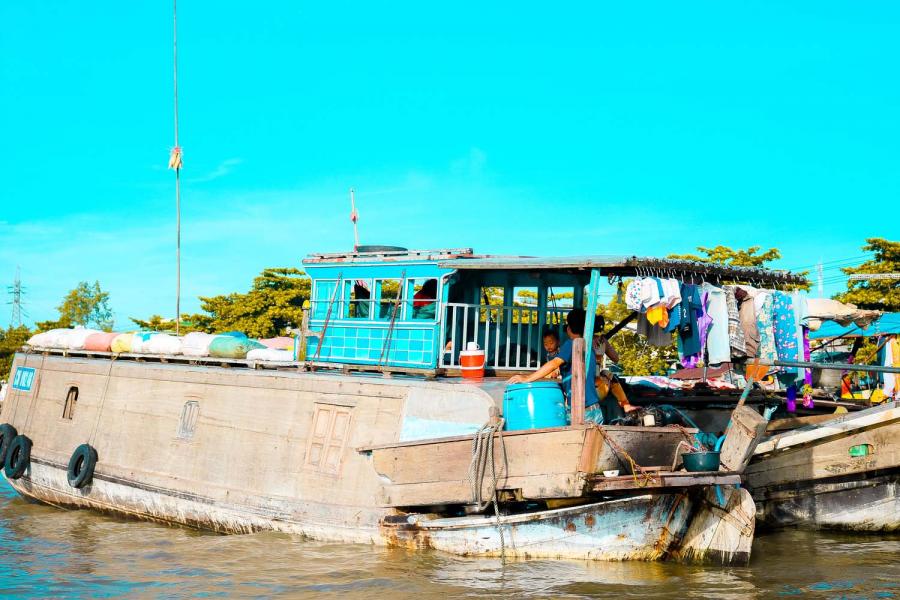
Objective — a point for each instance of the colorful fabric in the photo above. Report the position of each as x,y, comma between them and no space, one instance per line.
658,315
735,330
633,294
688,331
787,346
744,296
766,328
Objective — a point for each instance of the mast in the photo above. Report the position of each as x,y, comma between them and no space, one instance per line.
354,217
175,162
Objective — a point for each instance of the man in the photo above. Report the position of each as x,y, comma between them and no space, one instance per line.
563,361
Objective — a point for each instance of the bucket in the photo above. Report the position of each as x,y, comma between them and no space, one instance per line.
534,406
701,461
471,361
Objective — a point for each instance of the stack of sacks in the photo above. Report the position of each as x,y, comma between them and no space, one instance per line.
121,343
232,345
99,342
196,344
271,354
162,343
278,343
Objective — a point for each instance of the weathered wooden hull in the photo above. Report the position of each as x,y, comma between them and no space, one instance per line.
237,451
688,527
810,478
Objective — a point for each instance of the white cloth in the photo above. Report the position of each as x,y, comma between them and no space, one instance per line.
718,344
671,292
270,354
889,378
649,292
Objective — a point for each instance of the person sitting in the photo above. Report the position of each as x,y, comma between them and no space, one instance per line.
551,347
602,348
563,361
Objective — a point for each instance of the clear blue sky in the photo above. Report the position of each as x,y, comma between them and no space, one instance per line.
539,129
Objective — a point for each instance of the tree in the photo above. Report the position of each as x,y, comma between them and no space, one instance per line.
879,294
11,340
272,306
86,305
724,255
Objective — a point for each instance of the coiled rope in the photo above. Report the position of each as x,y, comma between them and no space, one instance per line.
482,456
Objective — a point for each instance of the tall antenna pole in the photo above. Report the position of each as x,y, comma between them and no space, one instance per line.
821,282
354,217
175,162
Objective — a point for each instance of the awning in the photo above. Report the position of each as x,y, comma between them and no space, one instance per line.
886,324
822,310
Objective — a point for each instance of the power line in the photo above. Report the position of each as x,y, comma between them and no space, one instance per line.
17,291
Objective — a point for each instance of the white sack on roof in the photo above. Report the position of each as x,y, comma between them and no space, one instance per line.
270,354
73,339
162,343
196,343
825,309
47,339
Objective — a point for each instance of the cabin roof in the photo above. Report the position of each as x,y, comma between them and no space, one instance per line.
621,265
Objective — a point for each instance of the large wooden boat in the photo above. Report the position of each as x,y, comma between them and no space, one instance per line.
370,437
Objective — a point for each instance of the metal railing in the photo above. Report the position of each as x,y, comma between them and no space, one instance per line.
511,336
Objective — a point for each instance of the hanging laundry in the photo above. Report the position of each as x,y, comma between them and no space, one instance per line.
658,315
633,294
651,291
656,336
744,296
787,345
688,330
718,345
764,302
735,331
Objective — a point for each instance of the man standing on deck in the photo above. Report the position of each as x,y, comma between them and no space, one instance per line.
563,361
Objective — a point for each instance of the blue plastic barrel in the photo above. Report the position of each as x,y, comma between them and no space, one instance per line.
534,406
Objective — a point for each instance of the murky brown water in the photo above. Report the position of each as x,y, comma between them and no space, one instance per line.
47,552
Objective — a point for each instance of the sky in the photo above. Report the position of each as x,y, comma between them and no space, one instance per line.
607,128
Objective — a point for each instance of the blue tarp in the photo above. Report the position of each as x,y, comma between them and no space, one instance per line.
886,324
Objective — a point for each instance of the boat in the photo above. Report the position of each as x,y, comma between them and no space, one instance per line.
837,472
373,434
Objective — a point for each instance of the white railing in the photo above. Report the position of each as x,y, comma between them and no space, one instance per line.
510,335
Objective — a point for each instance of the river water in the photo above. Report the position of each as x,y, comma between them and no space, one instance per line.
48,552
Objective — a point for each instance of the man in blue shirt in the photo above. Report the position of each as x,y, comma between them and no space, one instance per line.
563,361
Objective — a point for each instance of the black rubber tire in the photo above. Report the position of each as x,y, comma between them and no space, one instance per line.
7,433
18,457
81,466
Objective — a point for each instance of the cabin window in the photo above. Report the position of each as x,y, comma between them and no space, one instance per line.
525,301
358,293
491,296
424,299
188,422
322,298
388,295
71,401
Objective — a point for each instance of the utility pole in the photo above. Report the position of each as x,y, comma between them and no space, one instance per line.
821,282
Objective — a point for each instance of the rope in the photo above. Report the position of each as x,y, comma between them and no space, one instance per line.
482,452
647,478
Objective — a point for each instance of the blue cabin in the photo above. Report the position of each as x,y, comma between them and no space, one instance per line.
390,307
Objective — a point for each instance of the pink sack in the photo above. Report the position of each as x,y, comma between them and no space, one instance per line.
99,342
278,343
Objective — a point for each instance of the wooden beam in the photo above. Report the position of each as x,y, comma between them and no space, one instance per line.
578,381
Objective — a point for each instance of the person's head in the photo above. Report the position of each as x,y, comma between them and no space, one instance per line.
575,323
551,340
599,324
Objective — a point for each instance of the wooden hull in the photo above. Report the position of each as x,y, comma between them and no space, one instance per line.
687,527
810,477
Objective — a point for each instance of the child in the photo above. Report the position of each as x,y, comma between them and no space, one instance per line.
551,347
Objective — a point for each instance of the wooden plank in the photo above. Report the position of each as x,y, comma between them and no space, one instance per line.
797,422
842,424
578,381
664,480
744,431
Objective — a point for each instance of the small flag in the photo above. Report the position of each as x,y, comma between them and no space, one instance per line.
175,158
354,216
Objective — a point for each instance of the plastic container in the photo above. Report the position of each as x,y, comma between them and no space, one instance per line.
471,361
534,406
701,461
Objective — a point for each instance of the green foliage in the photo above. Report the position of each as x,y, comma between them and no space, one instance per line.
881,294
724,255
86,305
636,356
11,339
272,306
